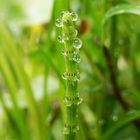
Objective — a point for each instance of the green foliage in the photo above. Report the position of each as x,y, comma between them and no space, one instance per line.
122,9
31,67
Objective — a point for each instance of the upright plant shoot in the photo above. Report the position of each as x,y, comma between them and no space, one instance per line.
72,44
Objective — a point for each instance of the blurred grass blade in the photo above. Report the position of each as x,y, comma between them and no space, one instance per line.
120,124
10,82
10,50
46,58
14,118
121,9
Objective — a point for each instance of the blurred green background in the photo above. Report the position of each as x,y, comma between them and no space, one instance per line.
31,65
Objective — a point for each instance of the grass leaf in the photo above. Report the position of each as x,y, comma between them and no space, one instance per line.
120,124
121,9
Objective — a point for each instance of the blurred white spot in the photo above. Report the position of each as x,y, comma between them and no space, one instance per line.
38,86
37,11
115,118
8,101
122,64
52,85
75,5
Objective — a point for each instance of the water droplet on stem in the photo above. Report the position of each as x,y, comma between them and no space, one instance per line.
64,53
62,13
75,128
58,22
77,58
79,101
77,43
74,16
64,76
60,39
66,130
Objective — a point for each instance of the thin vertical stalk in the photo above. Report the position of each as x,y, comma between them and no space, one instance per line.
71,53
113,36
113,31
45,102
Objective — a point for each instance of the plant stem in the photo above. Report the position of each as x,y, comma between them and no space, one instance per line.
113,37
71,52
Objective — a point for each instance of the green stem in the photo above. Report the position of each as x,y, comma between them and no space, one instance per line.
71,53
113,37
71,94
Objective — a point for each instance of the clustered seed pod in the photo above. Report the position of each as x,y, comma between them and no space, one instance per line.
72,44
